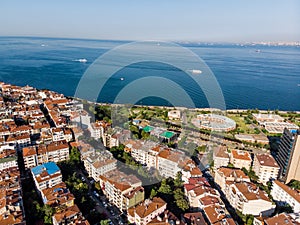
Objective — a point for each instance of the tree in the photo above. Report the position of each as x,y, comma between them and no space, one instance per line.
178,194
178,182
250,219
182,204
294,184
48,213
104,222
164,187
75,156
153,193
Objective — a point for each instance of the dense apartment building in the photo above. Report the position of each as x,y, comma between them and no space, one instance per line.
98,163
220,157
171,161
46,175
240,159
123,190
197,189
283,194
98,129
146,211
280,219
143,152
58,196
224,175
39,154
265,167
288,156
70,215
249,199
8,158
216,214
11,203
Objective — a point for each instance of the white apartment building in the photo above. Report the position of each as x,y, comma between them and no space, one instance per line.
46,175
143,152
58,151
57,134
171,161
283,194
146,211
240,159
99,163
224,175
220,157
124,191
248,199
98,129
265,167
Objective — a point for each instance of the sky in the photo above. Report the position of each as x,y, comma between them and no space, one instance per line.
180,20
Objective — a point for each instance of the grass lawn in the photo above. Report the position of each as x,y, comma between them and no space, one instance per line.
241,123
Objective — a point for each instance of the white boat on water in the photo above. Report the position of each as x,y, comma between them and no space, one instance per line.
80,60
195,72
122,78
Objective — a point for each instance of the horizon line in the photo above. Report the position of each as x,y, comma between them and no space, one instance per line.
131,40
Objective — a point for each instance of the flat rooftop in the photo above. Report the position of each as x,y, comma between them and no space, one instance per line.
50,167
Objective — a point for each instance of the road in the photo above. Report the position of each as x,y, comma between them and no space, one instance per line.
110,211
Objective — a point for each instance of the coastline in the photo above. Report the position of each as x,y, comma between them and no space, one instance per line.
263,111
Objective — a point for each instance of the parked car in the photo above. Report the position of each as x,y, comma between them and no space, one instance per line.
96,194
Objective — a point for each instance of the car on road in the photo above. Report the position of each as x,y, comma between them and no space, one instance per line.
96,194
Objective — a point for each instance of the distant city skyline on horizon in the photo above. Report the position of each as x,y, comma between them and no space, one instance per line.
217,21
263,42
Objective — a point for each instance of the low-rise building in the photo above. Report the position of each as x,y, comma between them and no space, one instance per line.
124,191
253,138
240,159
265,167
146,211
174,115
283,194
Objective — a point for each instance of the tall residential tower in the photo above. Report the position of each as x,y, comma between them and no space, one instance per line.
288,156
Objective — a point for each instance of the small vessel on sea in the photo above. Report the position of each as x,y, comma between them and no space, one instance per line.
122,78
258,50
195,72
82,60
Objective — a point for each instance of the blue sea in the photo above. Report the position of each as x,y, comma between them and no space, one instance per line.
263,77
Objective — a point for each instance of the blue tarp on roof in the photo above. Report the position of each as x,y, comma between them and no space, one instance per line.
50,167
